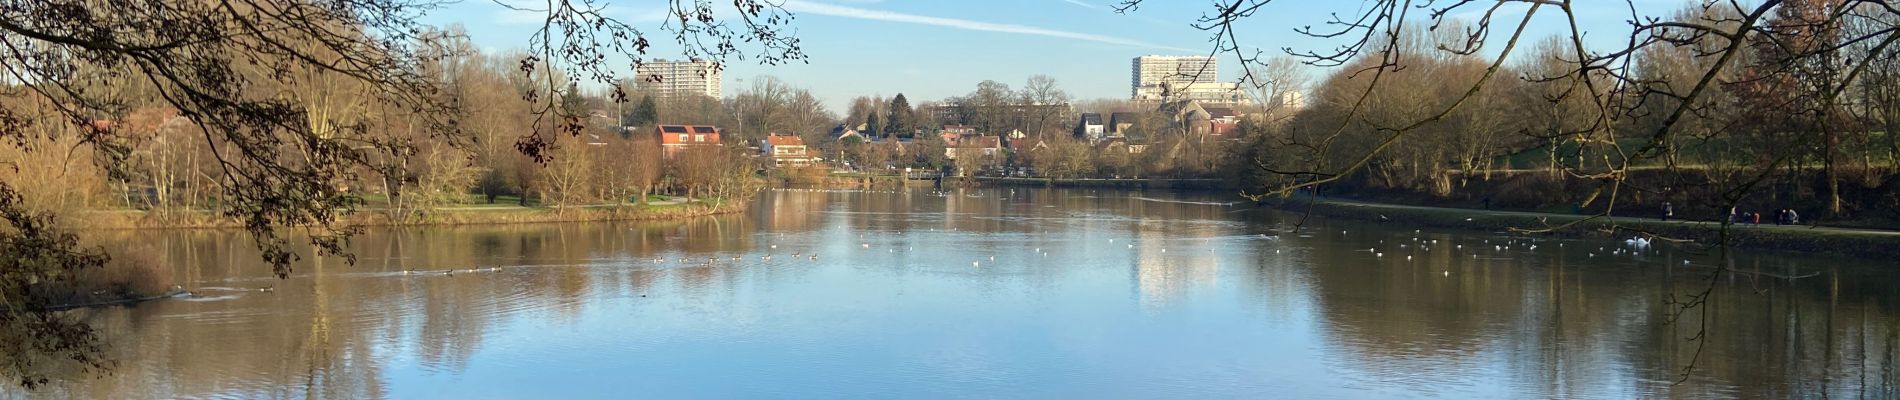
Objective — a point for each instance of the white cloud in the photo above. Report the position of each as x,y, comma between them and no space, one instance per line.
799,6
1080,3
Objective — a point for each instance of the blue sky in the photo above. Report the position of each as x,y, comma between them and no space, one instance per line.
932,49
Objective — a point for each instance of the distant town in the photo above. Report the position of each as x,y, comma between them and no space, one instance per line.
1175,102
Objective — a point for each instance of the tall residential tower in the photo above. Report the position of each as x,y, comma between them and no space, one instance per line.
671,79
1171,78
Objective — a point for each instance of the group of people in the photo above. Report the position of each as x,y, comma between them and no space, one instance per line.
1783,216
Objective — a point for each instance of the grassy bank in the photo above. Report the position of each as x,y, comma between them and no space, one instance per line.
1807,239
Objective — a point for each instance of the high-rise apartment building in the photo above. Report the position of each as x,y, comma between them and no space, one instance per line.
679,78
1182,78
1155,75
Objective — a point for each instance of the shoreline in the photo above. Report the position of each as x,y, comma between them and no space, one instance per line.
1859,243
1192,184
453,216
504,215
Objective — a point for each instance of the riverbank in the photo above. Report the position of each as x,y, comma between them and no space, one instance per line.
136,274
1101,183
819,179
838,180
472,214
1808,239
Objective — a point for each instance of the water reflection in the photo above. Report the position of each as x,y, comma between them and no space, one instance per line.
994,293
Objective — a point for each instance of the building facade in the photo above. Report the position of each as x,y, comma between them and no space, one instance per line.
677,138
1091,127
1155,74
673,79
1183,78
787,151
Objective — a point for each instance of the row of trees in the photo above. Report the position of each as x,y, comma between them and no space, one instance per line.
880,118
1040,107
1802,107
166,165
276,114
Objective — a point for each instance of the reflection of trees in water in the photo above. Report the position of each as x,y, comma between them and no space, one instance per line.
1824,335
1551,324
330,330
1562,326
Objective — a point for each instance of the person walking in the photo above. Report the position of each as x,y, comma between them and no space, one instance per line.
1668,211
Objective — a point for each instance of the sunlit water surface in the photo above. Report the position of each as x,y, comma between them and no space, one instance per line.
1012,293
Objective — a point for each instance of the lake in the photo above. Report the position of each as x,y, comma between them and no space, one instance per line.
997,293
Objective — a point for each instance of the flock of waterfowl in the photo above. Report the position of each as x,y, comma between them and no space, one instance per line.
1418,244
710,261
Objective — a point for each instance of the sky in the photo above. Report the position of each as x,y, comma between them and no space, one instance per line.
934,49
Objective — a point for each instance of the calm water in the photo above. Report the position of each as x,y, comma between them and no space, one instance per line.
1025,293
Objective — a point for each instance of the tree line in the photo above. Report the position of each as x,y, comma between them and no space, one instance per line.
1784,105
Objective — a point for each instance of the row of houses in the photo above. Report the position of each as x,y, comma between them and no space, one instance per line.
960,141
783,150
1195,118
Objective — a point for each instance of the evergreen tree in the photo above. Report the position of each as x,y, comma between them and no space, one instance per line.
902,121
874,124
572,102
643,113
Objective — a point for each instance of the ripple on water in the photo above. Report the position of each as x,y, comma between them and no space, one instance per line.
200,299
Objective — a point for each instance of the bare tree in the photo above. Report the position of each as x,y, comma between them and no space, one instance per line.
1041,91
1781,58
1278,87
285,95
